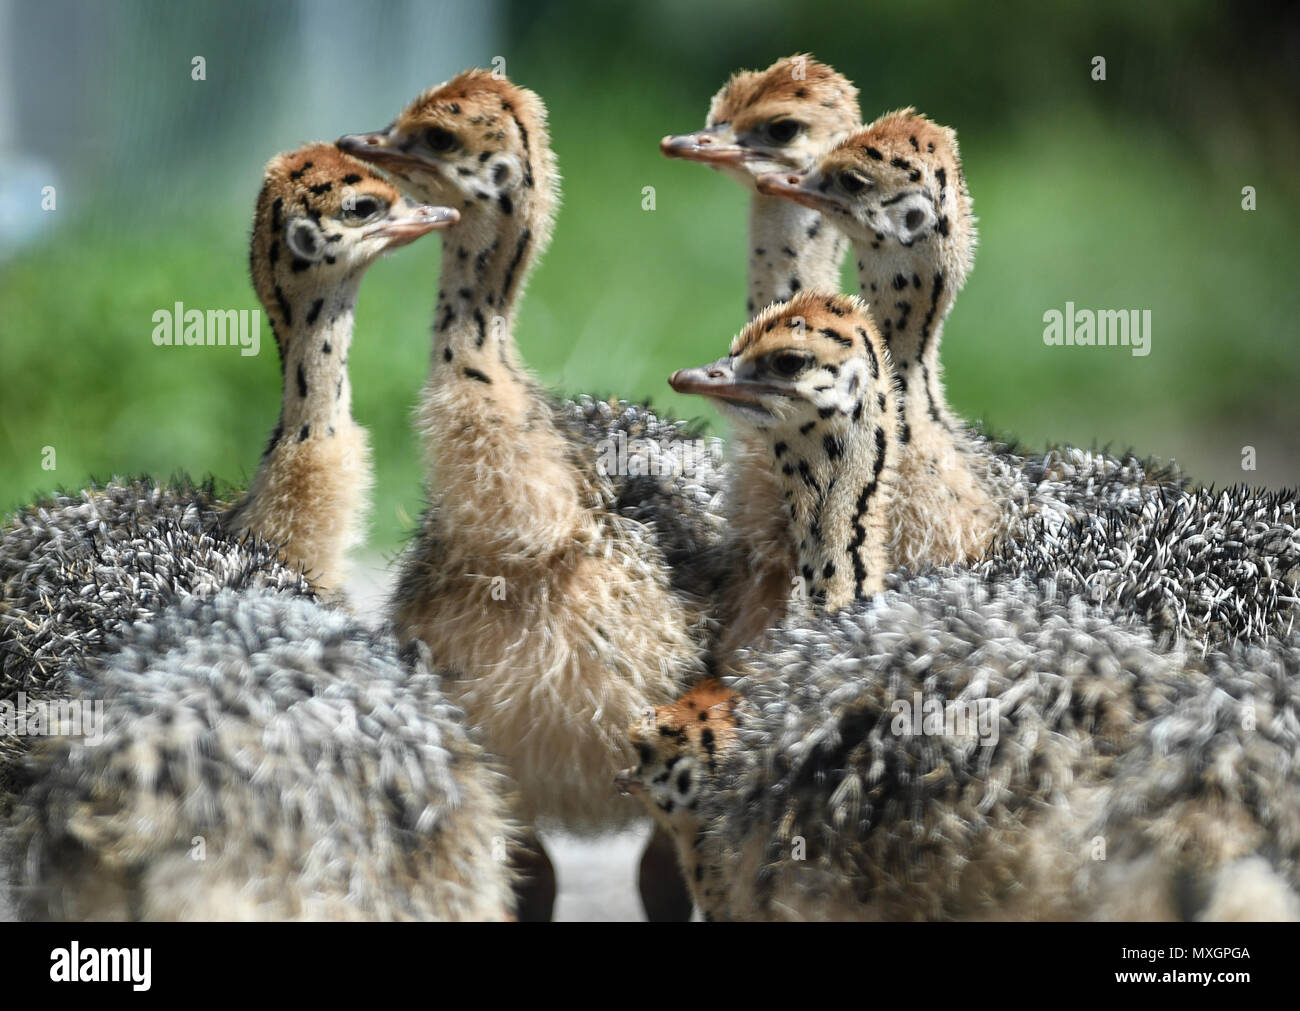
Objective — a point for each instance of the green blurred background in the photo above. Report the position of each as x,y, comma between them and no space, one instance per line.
1117,194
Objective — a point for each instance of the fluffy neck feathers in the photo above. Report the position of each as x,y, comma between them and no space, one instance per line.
946,513
501,472
838,490
311,488
791,249
316,397
910,297
483,271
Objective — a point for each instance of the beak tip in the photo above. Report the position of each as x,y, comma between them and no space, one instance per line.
360,143
679,381
780,184
444,216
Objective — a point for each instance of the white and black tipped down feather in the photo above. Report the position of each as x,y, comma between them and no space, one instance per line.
78,567
263,758
1064,480
826,810
1197,565
1211,792
904,826
675,481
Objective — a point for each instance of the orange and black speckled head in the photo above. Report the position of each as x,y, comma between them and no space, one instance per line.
891,186
825,96
811,360
679,745
812,379
478,143
321,218
781,118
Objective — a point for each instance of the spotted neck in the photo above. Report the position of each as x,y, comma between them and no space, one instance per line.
948,513
502,476
317,396
473,328
791,249
309,494
837,477
909,299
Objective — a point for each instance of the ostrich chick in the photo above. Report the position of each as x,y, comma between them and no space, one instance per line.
1204,566
966,750
954,747
74,568
244,752
322,218
897,190
781,118
550,605
262,757
812,379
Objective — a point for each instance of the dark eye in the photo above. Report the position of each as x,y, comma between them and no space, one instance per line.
364,208
913,220
782,131
439,139
644,755
789,363
852,182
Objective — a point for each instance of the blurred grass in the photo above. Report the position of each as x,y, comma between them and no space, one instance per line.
1071,208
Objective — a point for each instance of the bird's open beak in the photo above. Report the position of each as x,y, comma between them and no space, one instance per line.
421,220
627,782
791,186
378,149
702,146
719,382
